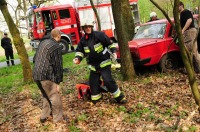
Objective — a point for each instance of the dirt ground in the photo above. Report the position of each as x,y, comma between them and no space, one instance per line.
156,103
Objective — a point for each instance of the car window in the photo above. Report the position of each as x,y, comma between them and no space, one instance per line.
64,14
151,31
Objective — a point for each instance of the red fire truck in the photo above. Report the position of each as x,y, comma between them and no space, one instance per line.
67,18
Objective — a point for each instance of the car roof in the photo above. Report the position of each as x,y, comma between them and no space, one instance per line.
165,20
158,21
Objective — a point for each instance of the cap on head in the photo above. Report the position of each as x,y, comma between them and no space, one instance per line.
87,22
153,14
5,34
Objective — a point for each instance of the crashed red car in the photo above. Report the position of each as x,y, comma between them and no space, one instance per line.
154,44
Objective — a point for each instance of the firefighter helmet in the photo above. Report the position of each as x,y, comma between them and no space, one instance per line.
153,14
87,22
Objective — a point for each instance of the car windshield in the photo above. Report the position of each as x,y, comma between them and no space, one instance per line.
151,31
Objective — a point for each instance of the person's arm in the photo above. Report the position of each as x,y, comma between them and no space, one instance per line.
187,24
57,64
2,43
107,42
79,53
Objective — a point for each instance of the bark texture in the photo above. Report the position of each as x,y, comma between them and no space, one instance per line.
124,25
18,42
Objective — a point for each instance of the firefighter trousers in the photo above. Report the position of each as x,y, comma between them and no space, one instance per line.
9,56
52,103
109,82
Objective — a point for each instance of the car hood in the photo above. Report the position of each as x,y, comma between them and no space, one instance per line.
143,42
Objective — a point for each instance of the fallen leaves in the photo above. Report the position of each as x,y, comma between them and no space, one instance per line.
156,102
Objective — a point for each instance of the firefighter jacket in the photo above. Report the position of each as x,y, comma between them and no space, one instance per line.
95,48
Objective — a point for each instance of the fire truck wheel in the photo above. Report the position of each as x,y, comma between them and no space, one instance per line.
169,62
65,46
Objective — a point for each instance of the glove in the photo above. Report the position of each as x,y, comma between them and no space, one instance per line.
76,61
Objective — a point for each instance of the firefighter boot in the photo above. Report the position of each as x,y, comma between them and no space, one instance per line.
95,101
121,99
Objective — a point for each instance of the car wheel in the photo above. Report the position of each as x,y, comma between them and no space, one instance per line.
168,62
65,46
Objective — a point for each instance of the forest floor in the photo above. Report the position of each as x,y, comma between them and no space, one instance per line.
156,102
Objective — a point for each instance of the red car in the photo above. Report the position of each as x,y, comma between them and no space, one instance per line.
154,44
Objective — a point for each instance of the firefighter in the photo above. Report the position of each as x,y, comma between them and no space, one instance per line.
153,17
94,45
7,45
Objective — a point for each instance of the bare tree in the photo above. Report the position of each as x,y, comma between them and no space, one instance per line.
96,14
124,24
18,42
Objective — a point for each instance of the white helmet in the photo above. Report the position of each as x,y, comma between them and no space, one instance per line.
87,22
153,14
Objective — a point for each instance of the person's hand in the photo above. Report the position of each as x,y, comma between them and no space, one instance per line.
183,31
76,61
57,88
115,56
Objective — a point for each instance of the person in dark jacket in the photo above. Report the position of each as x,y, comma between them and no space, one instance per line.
95,46
48,73
153,17
7,45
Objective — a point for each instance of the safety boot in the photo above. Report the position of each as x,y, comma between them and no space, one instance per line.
121,99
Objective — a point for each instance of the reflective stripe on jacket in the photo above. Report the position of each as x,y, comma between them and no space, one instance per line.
94,48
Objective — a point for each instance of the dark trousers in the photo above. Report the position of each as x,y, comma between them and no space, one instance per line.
52,103
9,56
109,82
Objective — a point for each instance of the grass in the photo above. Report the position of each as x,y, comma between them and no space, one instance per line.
16,56
73,128
11,78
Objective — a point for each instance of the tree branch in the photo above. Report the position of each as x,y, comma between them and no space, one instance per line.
164,13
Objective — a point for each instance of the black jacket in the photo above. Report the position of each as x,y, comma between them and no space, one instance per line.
48,62
6,43
93,47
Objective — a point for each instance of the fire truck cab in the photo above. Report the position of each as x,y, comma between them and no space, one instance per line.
43,20
67,18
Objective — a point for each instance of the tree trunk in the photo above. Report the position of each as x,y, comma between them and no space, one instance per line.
96,14
18,42
125,29
186,57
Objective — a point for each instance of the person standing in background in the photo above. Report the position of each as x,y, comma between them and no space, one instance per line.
189,34
7,46
153,17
